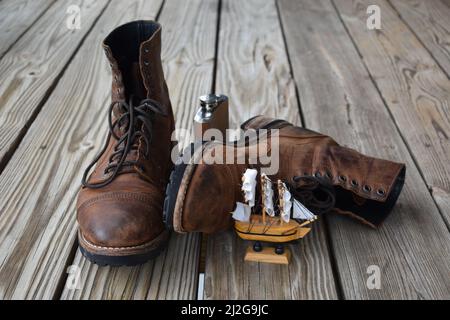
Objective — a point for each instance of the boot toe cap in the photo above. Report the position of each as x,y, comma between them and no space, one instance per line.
122,220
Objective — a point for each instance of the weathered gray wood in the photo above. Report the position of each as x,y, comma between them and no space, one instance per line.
188,55
16,16
253,70
252,65
414,88
189,43
431,23
38,187
31,67
173,275
412,248
308,276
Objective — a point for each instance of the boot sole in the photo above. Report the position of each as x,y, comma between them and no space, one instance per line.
176,190
125,256
171,194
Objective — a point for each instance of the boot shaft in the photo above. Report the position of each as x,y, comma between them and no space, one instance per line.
366,187
140,96
134,53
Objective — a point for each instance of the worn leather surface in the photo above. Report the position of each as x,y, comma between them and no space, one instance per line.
206,200
127,212
366,187
212,189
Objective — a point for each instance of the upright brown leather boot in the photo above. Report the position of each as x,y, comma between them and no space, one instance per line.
200,195
119,209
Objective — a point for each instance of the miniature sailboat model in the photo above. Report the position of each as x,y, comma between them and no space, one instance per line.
261,223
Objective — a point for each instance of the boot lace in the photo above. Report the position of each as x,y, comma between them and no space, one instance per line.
316,194
131,123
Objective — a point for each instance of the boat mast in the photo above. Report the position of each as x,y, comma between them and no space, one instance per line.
263,198
280,198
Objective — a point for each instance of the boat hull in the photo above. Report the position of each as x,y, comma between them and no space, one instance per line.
272,231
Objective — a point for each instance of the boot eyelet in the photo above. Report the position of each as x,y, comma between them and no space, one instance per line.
366,188
328,175
354,183
342,178
317,174
146,50
381,192
146,62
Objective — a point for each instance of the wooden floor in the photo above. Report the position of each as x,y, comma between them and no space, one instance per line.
383,92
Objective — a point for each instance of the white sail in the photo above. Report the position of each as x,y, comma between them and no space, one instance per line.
249,186
268,195
287,204
301,212
242,212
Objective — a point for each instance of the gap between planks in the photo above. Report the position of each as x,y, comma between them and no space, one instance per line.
187,58
330,75
253,70
17,17
418,100
27,92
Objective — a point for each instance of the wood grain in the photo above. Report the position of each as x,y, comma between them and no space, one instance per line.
253,70
430,22
414,88
38,188
187,55
32,66
16,16
172,275
252,67
267,255
39,185
308,276
412,248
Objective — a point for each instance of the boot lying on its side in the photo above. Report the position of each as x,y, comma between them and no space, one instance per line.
200,196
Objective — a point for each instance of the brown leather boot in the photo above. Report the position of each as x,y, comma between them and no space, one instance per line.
119,209
201,196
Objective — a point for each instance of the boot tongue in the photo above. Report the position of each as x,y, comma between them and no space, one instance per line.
134,88
136,84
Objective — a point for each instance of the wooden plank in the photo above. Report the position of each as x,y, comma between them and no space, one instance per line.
38,187
188,55
308,276
414,88
430,22
412,248
16,16
253,70
173,275
32,66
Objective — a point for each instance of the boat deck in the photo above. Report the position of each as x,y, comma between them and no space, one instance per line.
315,63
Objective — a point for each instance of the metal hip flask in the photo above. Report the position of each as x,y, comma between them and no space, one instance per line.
212,114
